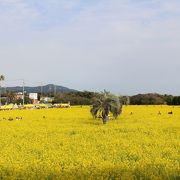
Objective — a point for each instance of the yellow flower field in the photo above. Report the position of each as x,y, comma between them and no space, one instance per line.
69,144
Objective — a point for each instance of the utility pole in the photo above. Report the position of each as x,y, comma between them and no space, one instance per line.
23,91
1,79
54,90
0,93
41,90
5,90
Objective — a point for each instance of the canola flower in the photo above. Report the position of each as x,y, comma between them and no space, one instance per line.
70,144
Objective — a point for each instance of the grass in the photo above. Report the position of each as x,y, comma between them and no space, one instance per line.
69,144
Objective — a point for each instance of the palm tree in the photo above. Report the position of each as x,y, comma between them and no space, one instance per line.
2,78
104,104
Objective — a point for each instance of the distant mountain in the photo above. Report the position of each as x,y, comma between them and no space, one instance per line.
45,89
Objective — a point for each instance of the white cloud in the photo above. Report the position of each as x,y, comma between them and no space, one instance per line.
16,15
62,4
29,14
123,46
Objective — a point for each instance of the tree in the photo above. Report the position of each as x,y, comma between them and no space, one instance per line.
168,99
2,78
125,100
10,97
105,103
147,99
76,98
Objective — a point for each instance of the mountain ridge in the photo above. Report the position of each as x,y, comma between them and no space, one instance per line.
38,89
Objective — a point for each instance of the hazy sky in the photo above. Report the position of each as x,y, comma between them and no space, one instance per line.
124,46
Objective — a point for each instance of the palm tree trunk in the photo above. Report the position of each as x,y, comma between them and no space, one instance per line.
105,119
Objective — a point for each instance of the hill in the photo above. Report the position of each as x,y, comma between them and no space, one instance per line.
37,89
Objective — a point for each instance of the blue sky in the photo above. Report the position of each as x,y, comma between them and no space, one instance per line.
125,46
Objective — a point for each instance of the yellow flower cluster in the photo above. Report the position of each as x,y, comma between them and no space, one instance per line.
143,143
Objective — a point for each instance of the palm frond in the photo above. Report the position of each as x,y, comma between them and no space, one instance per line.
105,103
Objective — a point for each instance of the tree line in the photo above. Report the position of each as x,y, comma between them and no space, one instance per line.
86,98
154,99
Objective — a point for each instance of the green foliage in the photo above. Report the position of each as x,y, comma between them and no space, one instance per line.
168,99
10,97
75,98
147,99
20,101
154,99
105,103
176,100
125,100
